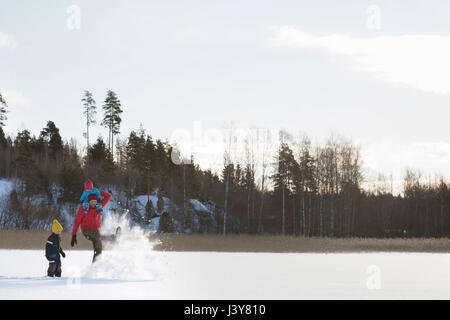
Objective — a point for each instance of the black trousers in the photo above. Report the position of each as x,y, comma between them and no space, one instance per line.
54,268
94,236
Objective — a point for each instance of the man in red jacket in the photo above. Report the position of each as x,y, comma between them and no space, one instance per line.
91,221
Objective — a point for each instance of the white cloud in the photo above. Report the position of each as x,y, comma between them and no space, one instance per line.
7,41
419,61
15,98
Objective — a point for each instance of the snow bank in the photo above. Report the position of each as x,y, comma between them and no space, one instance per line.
142,201
199,206
6,186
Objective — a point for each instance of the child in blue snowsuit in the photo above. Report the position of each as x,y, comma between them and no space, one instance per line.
89,189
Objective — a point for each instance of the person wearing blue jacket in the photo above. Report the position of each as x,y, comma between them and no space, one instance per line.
88,190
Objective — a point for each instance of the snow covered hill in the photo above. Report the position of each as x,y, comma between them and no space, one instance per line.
196,217
6,186
201,215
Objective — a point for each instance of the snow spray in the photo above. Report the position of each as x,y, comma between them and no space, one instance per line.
130,256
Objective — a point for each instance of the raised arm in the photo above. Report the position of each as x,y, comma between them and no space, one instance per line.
105,198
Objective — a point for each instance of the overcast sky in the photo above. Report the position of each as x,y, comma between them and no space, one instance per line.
377,72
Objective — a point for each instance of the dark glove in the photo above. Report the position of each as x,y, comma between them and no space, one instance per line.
63,254
85,206
73,241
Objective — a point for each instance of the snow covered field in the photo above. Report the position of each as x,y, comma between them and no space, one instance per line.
131,269
124,274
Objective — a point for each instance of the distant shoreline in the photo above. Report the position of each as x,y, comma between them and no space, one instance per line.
35,239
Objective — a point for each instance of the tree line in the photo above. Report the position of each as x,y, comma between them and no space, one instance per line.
273,187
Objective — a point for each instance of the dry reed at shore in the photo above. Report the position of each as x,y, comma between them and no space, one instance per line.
34,239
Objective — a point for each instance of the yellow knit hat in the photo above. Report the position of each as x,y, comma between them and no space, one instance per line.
56,226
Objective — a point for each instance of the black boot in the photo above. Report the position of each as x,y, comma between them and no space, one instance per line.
96,255
51,269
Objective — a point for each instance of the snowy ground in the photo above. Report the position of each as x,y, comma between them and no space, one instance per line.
213,275
131,269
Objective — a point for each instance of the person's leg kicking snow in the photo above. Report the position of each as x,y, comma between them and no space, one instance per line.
94,236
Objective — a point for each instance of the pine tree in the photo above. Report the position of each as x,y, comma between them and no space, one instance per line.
139,153
248,183
283,178
135,151
304,182
160,164
149,150
227,173
149,211
101,159
112,119
24,163
3,111
165,223
192,183
3,141
160,202
71,179
89,111
51,135
135,214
